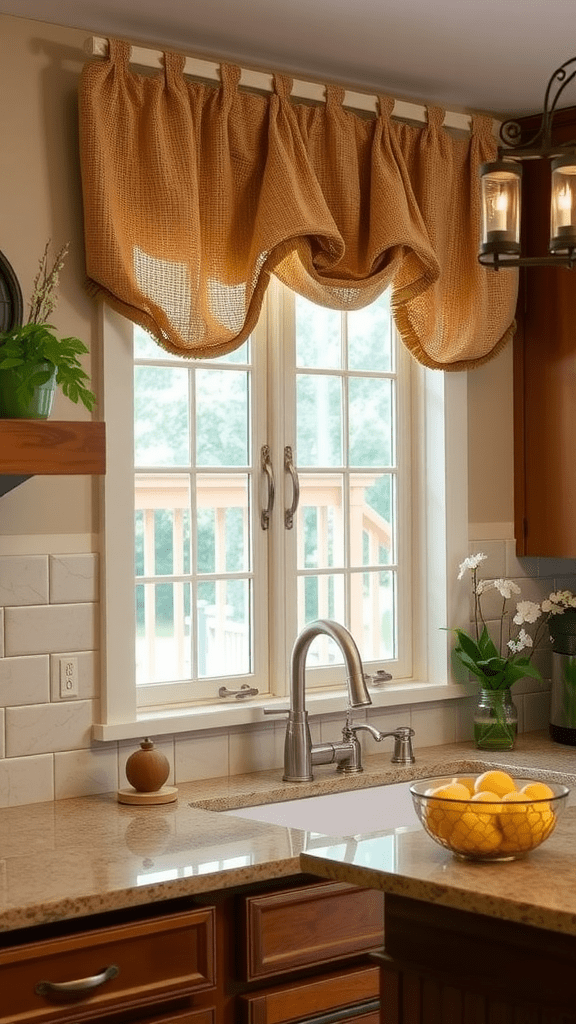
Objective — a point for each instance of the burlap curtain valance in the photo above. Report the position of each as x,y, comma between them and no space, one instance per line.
194,195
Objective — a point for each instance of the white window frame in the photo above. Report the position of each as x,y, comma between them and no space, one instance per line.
440,541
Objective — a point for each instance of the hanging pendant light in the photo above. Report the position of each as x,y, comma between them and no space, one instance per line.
501,190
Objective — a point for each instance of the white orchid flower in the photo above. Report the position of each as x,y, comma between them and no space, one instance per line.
471,563
522,640
526,611
550,607
506,588
483,585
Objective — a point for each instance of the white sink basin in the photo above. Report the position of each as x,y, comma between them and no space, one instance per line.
352,813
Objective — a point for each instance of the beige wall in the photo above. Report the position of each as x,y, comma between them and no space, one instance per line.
41,198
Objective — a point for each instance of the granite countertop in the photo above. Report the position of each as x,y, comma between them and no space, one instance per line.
87,855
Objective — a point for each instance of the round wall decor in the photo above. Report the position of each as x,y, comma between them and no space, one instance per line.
11,308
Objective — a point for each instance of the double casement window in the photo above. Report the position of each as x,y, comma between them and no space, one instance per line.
255,492
271,488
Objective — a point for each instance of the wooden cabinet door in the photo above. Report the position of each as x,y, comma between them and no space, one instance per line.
206,1016
445,966
130,966
309,925
545,378
332,997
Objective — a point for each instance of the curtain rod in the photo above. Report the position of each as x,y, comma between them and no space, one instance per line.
97,46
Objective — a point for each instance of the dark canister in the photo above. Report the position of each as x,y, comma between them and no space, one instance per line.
563,695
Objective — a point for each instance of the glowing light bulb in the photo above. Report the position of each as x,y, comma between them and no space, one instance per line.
499,212
564,207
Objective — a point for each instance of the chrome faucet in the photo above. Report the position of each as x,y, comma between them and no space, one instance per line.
300,754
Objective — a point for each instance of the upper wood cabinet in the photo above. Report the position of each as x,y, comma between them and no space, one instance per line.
545,376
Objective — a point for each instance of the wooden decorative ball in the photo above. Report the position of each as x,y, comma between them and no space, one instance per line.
147,769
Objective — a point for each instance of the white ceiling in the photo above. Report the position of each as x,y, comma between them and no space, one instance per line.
492,55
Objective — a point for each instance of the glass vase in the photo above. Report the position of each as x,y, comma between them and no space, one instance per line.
495,720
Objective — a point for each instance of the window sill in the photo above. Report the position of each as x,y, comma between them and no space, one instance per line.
230,715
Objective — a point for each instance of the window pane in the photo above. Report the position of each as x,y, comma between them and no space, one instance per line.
161,422
224,628
371,519
323,652
370,420
146,347
162,503
222,418
319,418
370,336
223,522
319,522
162,632
318,335
239,355
320,597
376,593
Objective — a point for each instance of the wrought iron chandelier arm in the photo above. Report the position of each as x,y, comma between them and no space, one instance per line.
501,188
541,141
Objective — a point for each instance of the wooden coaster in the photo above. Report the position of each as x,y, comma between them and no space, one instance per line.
165,795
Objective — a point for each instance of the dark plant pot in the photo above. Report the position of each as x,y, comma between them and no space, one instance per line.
38,407
563,631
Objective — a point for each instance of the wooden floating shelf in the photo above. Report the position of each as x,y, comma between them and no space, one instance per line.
52,447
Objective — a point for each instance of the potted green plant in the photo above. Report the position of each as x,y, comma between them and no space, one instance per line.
498,666
34,360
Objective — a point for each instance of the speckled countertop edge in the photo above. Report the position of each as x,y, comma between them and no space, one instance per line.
87,855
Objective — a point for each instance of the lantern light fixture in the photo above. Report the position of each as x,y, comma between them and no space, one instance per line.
500,189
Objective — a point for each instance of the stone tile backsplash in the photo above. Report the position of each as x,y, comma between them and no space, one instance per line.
49,607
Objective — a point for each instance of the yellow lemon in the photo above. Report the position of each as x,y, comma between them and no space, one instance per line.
513,803
475,833
537,790
516,839
490,800
452,800
495,781
516,828
549,819
469,783
437,822
537,821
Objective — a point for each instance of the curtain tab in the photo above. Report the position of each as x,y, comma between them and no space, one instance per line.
435,116
386,105
119,52
173,65
334,95
481,125
282,86
230,77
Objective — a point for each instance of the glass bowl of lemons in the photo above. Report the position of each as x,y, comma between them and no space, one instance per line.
491,816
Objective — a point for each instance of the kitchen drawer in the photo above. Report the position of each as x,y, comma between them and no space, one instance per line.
312,924
207,1016
325,995
164,957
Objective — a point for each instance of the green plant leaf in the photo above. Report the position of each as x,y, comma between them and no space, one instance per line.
468,644
487,646
26,346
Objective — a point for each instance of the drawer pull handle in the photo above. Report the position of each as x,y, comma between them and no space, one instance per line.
76,989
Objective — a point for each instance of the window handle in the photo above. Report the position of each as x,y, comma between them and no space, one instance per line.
290,468
266,466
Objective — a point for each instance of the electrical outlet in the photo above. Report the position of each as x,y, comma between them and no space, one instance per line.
68,677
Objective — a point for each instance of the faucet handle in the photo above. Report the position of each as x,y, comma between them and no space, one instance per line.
403,752
276,711
380,677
